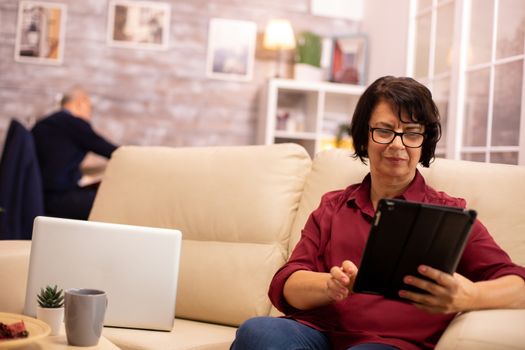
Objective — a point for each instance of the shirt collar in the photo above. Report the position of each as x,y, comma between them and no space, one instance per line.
415,192
360,196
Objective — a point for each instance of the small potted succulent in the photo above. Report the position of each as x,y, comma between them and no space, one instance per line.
50,307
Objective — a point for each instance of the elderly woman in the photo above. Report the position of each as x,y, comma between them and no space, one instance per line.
395,126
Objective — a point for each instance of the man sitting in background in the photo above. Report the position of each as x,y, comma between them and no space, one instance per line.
62,140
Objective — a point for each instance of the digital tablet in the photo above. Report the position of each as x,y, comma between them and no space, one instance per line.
405,235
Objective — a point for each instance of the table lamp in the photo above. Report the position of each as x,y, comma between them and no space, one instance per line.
279,36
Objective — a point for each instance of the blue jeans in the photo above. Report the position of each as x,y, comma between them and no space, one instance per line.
272,333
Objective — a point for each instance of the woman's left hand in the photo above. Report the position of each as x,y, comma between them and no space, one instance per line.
447,293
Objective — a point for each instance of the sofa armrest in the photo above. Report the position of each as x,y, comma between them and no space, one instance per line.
14,265
485,330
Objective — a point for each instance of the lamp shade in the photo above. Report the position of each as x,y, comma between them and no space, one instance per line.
279,35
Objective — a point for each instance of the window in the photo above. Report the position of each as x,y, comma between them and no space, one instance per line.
471,56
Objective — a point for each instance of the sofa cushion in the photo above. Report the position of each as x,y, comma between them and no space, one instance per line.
232,194
489,194
14,260
234,206
331,170
185,335
484,330
225,282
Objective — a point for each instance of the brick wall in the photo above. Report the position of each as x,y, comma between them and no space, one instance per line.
151,97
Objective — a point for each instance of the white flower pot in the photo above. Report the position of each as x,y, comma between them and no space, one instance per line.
54,317
307,72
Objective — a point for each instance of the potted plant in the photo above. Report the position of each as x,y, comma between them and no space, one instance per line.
50,307
308,57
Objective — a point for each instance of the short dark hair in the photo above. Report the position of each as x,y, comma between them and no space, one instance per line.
405,95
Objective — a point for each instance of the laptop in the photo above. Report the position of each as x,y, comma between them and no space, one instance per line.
136,266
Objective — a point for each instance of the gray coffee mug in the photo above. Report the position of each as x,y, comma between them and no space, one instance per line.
84,315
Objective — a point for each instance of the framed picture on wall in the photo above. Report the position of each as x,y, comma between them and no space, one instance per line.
349,60
139,24
231,49
40,32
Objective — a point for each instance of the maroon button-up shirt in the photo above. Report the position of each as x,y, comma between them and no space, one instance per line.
337,230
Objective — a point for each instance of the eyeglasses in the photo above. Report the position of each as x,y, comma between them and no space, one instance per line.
386,136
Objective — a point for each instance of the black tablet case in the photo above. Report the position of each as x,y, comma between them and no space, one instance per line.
405,235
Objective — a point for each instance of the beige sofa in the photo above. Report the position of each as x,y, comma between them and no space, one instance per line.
241,210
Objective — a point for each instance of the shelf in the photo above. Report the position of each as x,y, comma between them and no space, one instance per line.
317,86
316,107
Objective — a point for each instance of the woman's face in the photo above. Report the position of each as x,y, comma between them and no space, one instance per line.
392,161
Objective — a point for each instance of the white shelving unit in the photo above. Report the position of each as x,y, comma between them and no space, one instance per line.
305,112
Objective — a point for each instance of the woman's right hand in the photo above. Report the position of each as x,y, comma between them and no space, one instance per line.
341,280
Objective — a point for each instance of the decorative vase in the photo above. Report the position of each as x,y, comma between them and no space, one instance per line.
54,317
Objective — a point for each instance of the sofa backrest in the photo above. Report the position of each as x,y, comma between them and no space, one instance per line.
234,206
331,170
495,191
